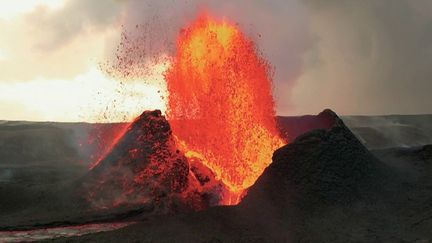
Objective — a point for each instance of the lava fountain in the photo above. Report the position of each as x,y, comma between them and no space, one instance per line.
220,103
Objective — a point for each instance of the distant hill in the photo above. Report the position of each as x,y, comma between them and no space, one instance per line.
24,142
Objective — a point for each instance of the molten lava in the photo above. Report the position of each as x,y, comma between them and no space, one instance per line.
220,103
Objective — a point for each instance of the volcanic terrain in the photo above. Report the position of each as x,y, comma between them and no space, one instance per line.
325,186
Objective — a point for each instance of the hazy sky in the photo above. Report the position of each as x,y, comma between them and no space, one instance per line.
355,57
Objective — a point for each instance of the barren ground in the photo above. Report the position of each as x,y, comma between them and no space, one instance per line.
39,163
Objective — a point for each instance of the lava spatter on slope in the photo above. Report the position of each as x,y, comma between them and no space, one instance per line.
146,168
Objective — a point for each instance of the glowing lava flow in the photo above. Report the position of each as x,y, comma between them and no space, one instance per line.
220,103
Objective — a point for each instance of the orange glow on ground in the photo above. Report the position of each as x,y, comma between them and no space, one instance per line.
220,103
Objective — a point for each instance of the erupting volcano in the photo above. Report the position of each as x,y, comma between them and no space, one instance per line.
174,137
221,114
220,103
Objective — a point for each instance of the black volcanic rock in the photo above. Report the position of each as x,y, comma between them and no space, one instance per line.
144,168
324,165
426,152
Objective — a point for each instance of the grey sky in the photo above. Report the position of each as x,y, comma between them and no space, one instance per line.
356,57
369,57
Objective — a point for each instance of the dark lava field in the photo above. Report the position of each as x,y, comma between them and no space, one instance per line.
348,179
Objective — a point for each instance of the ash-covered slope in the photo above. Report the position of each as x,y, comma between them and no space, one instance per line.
328,165
145,168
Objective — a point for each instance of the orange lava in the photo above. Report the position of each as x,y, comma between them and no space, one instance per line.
220,103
